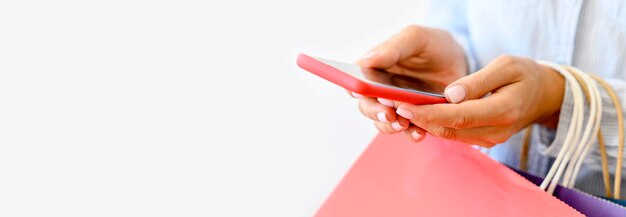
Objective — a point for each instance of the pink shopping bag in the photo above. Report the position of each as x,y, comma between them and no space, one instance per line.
395,177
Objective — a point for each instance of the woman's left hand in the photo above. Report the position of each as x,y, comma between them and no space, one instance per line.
522,92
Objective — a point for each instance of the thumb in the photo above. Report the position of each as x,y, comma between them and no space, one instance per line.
382,57
401,46
480,83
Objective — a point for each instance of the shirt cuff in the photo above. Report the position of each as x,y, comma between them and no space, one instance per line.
551,140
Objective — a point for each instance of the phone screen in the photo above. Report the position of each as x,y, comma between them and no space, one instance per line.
386,79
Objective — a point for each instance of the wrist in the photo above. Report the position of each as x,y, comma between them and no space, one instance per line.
554,84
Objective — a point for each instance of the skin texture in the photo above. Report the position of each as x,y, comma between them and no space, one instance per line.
487,107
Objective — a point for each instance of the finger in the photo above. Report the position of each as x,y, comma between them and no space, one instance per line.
500,72
376,111
384,127
393,127
406,43
400,124
415,133
354,95
386,102
477,136
494,110
483,136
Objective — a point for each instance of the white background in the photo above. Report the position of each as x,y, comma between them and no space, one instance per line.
180,108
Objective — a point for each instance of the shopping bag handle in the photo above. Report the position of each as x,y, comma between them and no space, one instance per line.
523,164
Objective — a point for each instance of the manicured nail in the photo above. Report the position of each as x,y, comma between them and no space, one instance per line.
405,113
356,95
396,125
455,94
416,135
370,55
385,102
382,117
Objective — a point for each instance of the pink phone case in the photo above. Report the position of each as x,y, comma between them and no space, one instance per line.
361,87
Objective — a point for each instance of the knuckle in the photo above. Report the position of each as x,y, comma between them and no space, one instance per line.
362,107
428,119
383,128
507,59
415,30
367,109
477,82
481,143
444,35
511,117
500,138
412,28
462,121
514,64
488,144
444,132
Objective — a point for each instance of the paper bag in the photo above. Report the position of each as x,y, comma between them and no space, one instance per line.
395,177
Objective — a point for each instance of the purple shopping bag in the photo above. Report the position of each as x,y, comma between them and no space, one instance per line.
587,204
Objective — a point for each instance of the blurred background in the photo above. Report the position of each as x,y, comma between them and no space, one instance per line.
180,108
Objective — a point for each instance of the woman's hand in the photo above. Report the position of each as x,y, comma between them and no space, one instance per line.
431,55
522,92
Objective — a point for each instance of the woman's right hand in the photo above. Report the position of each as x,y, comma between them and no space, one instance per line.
431,55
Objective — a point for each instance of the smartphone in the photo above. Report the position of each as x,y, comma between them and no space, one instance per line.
372,82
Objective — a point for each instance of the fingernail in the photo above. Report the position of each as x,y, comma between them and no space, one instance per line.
385,102
356,95
405,113
455,94
369,55
396,125
416,135
382,117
